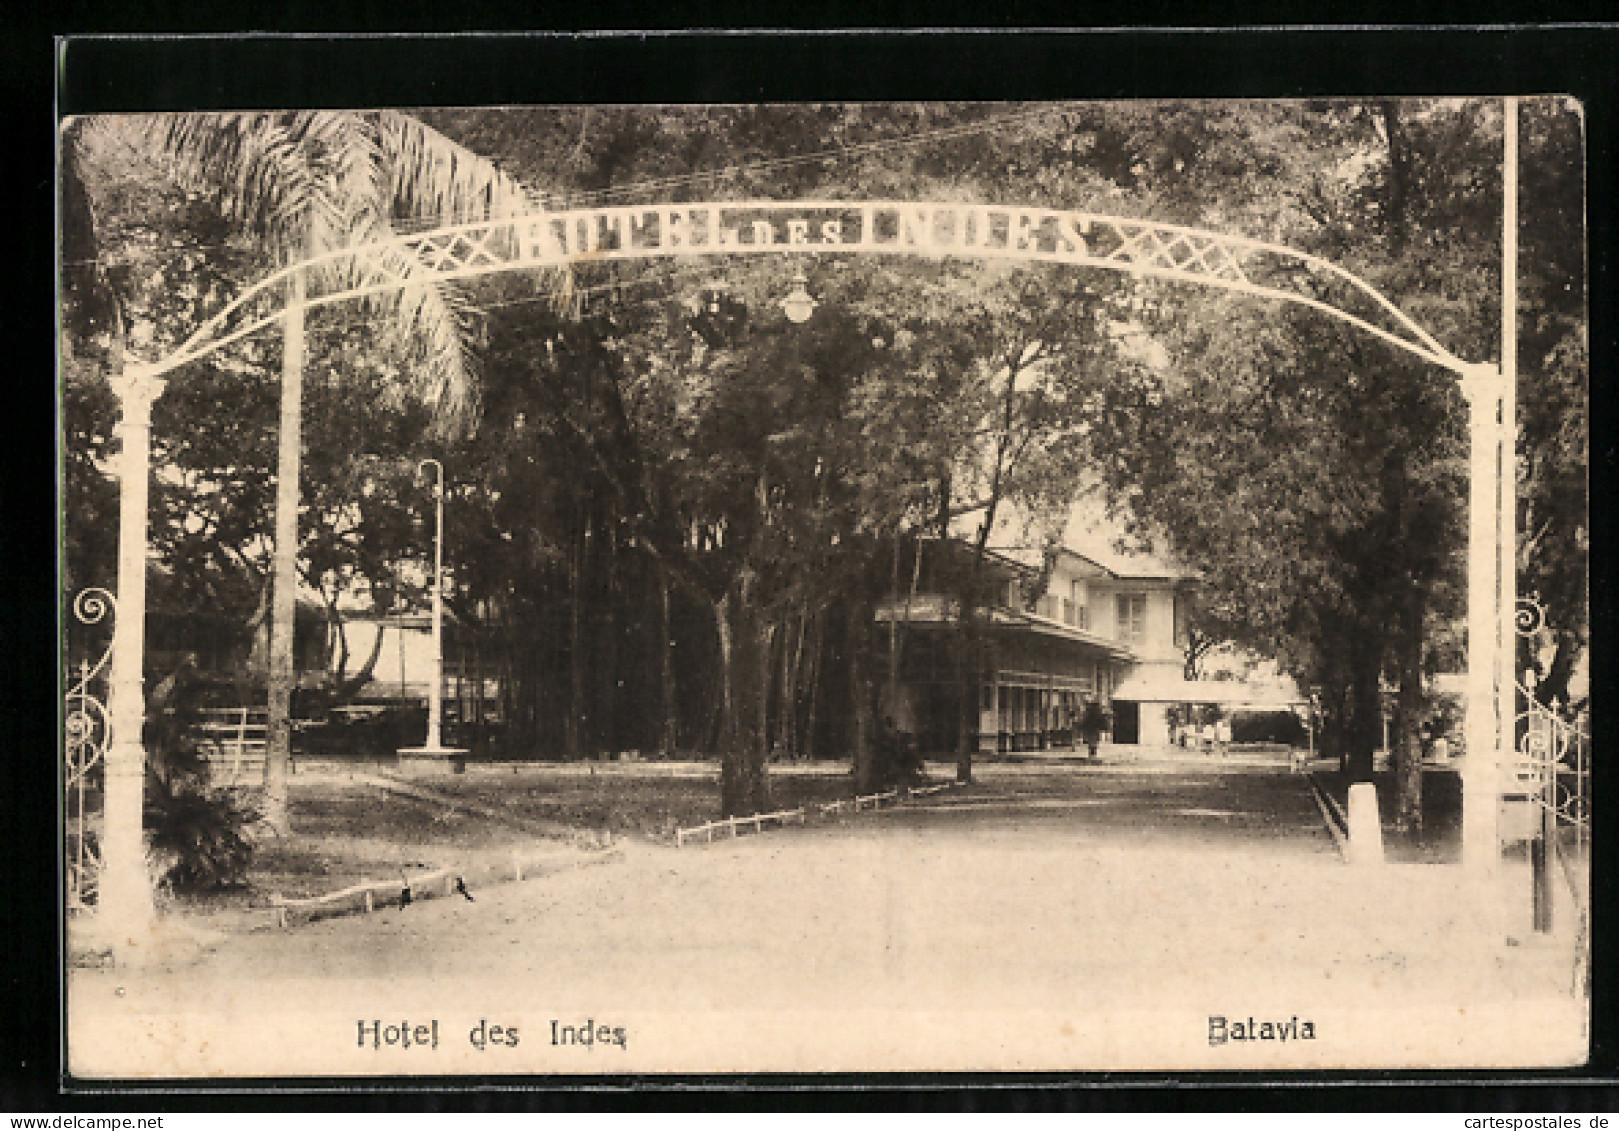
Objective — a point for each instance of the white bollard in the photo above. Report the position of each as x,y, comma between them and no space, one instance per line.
1441,751
1365,828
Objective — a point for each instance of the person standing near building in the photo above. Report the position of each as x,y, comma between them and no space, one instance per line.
1093,722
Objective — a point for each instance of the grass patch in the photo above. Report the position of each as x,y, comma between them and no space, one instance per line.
628,800
1437,841
345,830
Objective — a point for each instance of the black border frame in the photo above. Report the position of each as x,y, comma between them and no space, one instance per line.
130,71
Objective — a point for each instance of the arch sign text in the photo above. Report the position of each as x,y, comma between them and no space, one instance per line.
575,237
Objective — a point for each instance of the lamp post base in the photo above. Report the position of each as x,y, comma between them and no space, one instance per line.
434,759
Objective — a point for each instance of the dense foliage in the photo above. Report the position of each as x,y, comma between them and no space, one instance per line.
1317,477
676,509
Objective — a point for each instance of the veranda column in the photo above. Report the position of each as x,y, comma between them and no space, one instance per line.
124,909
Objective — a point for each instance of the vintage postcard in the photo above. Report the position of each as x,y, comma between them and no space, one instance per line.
839,587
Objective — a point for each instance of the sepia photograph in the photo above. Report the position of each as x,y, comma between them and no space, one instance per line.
824,587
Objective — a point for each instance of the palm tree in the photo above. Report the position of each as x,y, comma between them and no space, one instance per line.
310,182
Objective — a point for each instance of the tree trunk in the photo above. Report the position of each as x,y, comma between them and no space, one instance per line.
766,675
478,742
243,674
576,660
1197,646
817,635
1399,174
1552,687
967,665
967,675
669,730
337,640
284,606
1365,706
893,705
780,683
1407,739
349,688
864,753
530,675
1332,675
893,640
744,674
608,713
795,734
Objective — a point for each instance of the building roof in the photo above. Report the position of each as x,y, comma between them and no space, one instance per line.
413,618
1150,687
1045,626
932,611
1089,535
1094,535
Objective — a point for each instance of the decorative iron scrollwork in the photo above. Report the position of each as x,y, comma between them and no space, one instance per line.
87,732
1529,617
88,725
1554,773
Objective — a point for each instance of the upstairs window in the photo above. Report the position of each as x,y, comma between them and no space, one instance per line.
1132,617
1075,610
1075,614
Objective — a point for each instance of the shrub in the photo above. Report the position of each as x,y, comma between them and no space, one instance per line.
1268,726
199,834
1094,720
1207,714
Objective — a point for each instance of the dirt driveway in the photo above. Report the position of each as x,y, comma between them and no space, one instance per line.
1047,918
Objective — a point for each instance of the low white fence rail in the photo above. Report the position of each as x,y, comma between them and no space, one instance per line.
732,826
408,888
368,893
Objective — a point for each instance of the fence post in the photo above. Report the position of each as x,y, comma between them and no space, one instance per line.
1541,850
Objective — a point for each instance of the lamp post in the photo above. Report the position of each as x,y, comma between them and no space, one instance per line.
433,752
435,694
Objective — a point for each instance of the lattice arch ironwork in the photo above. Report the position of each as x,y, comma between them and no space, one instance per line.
567,239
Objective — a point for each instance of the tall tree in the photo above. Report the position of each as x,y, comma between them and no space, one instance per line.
1354,576
306,183
1553,372
1404,193
975,374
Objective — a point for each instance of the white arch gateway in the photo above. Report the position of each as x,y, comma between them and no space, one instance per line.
920,229
938,229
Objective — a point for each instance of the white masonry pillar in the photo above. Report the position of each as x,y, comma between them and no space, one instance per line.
124,910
